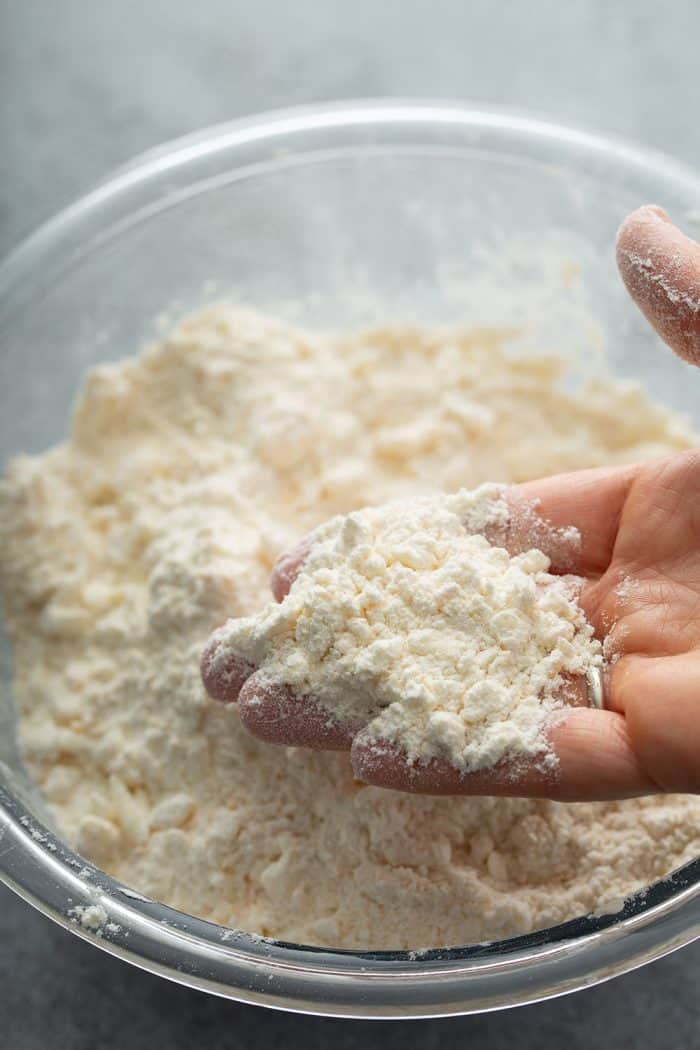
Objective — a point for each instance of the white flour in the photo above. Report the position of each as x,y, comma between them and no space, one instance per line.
93,917
187,471
405,619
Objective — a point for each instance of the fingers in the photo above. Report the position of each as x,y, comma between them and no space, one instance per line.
595,761
273,713
658,697
223,674
287,568
661,270
589,500
384,764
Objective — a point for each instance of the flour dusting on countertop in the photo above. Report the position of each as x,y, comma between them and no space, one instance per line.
187,471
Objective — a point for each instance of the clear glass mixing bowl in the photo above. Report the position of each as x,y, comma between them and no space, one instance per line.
336,214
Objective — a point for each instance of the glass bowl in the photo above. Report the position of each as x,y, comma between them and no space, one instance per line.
339,215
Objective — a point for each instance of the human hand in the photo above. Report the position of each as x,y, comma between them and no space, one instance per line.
639,561
641,578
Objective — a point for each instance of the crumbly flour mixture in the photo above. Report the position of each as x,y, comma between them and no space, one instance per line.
186,472
405,619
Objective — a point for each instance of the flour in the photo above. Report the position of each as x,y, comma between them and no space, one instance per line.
93,917
187,471
90,916
405,619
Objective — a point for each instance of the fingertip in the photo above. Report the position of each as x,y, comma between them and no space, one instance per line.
223,675
582,509
595,757
656,210
647,213
274,713
286,569
660,268
633,236
636,229
527,527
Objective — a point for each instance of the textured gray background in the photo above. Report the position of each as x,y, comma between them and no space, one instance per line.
84,85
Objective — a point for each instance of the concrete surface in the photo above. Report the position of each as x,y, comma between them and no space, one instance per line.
83,87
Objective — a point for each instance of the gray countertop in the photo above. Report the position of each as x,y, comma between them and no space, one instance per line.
83,87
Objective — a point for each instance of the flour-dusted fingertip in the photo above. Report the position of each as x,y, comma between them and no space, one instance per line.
660,267
272,712
287,568
596,759
223,673
647,213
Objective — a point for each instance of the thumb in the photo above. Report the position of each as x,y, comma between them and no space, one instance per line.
661,270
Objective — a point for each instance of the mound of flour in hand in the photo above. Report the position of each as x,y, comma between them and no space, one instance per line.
404,617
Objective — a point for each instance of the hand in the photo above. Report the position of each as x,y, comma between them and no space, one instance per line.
640,565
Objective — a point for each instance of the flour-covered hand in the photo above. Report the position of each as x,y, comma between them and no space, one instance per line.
638,563
433,624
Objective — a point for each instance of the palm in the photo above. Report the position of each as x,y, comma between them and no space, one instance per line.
654,573
647,604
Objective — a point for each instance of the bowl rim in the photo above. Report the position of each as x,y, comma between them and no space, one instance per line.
261,129
40,868
43,870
